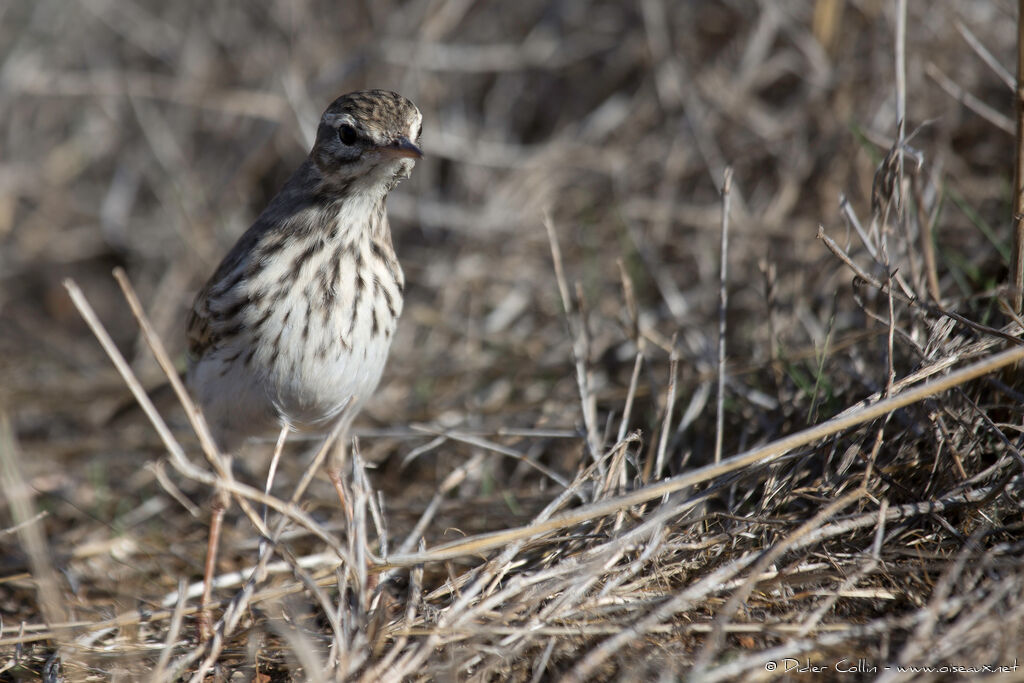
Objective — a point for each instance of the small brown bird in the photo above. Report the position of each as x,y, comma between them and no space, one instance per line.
293,329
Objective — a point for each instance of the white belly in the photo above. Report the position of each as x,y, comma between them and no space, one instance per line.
313,359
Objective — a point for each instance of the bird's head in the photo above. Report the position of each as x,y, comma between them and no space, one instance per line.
368,140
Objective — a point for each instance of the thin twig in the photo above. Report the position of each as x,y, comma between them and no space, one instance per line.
722,310
1017,265
670,403
986,55
579,349
172,634
993,116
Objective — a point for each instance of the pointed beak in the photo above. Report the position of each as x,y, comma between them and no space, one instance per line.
402,147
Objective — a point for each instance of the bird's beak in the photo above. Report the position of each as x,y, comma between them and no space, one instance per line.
402,147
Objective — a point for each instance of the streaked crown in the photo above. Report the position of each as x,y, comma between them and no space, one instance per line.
370,136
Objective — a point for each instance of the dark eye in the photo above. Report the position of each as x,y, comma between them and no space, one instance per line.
347,134
419,131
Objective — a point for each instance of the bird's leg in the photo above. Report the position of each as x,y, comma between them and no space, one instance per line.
335,464
218,507
278,449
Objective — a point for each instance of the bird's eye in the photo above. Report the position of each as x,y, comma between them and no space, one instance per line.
419,132
347,134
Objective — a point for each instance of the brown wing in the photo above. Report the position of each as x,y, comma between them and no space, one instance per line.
208,317
215,311
199,331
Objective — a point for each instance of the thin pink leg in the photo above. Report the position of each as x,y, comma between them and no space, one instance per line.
219,506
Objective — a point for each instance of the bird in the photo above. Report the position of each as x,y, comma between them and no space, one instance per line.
293,329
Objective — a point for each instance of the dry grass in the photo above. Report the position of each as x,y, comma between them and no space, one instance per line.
536,494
